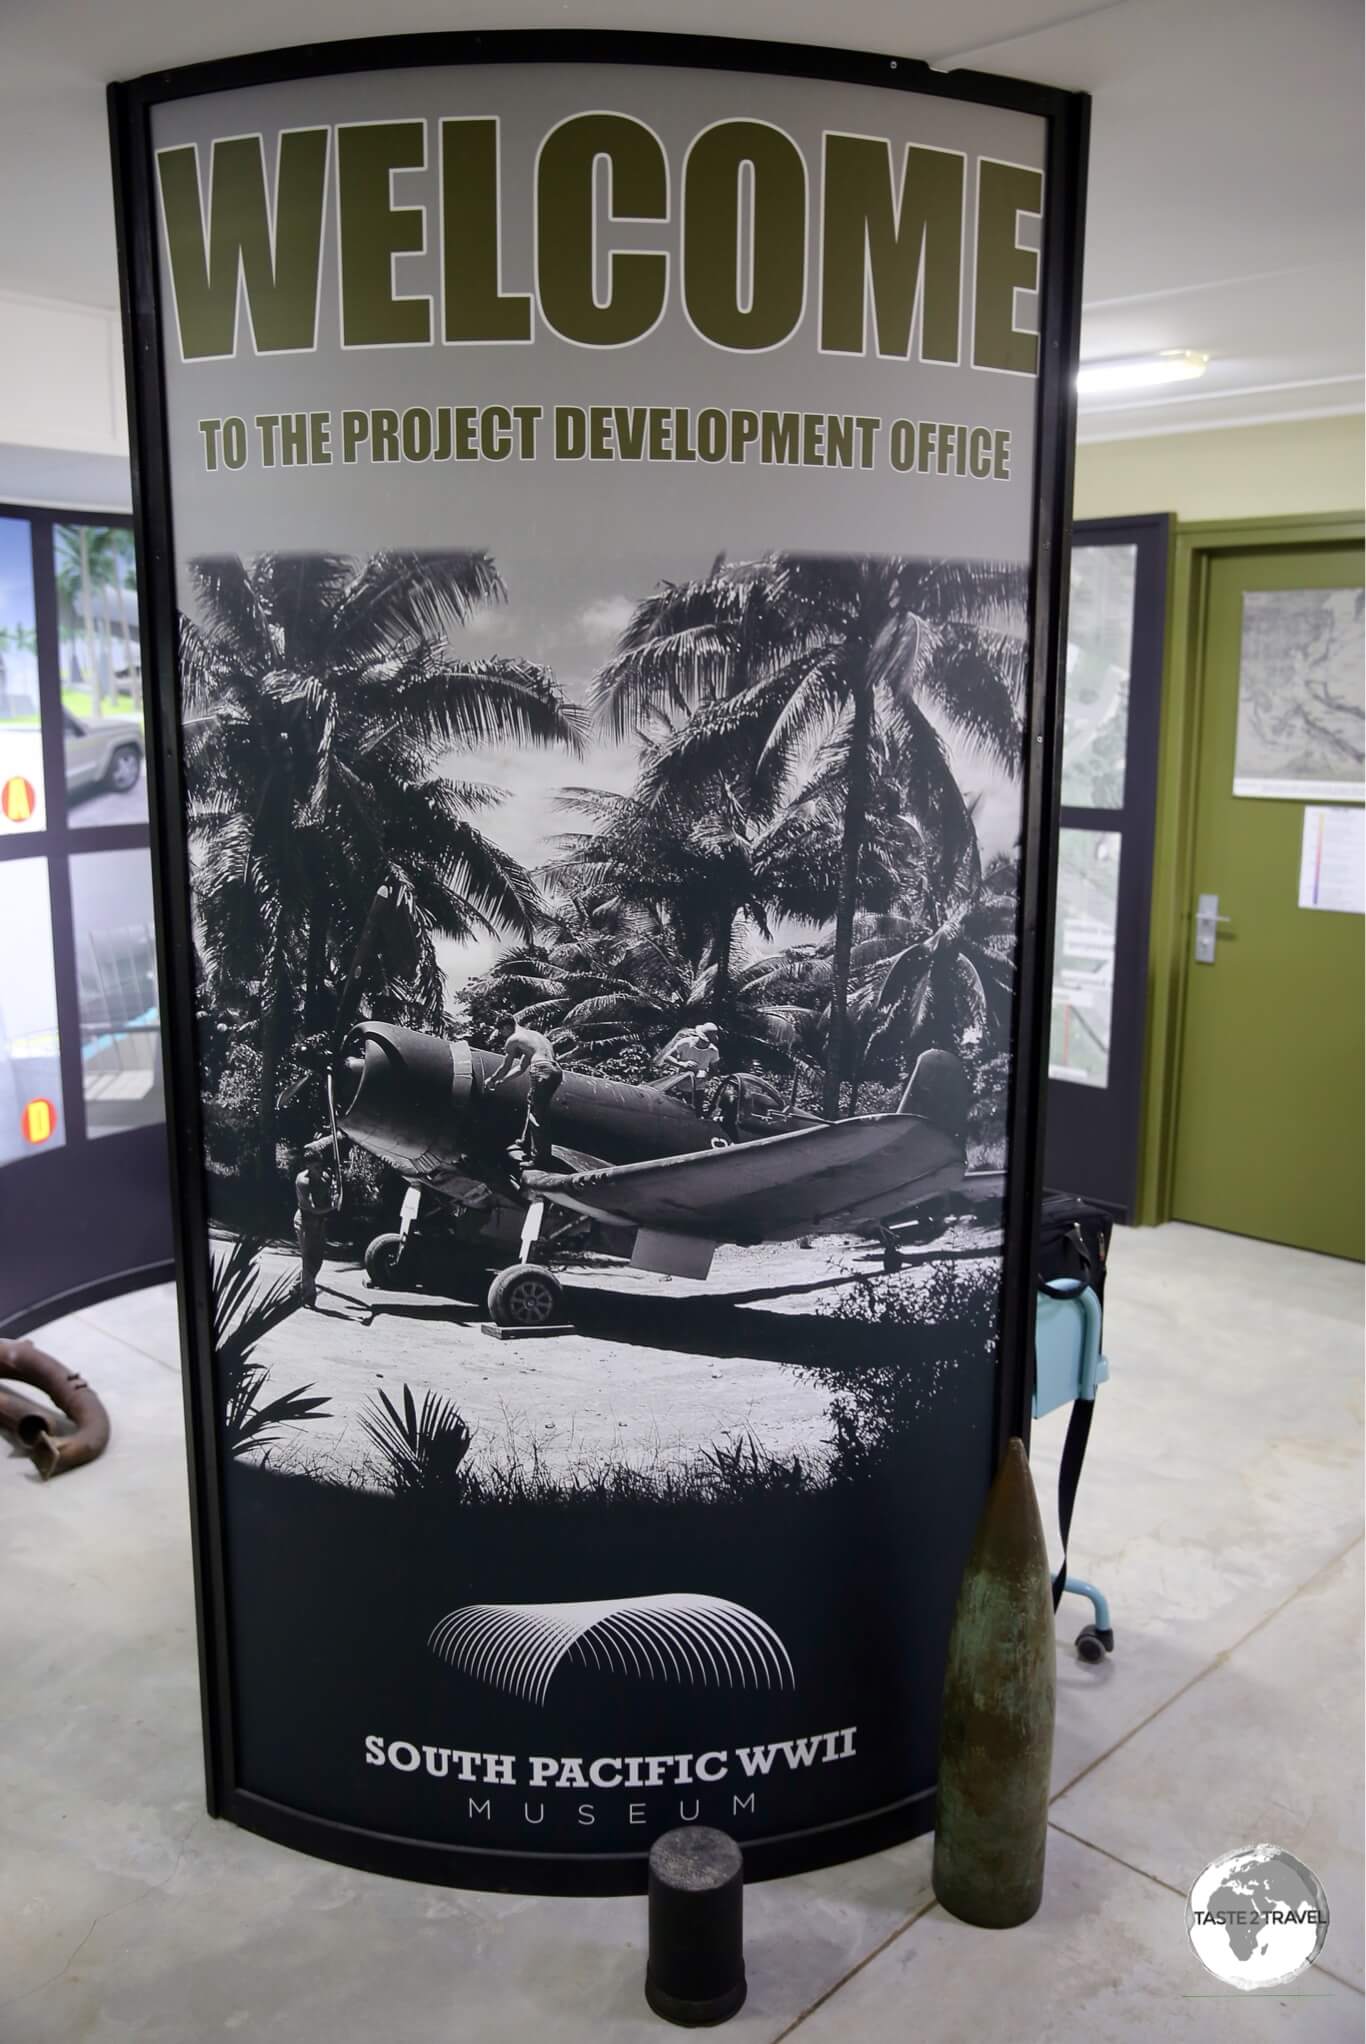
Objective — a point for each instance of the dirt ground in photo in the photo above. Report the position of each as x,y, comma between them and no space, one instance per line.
655,1371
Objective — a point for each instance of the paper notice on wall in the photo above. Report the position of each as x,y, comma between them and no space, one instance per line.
1333,860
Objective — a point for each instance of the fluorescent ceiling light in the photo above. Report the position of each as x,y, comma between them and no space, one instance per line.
1141,372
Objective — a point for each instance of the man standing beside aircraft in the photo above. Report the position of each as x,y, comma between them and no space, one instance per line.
315,1203
526,1050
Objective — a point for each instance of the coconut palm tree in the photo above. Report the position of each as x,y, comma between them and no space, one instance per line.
787,992
78,559
608,978
603,977
319,695
102,569
701,869
845,652
940,969
15,638
690,645
123,580
723,844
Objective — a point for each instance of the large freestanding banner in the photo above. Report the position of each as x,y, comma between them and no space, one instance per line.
603,518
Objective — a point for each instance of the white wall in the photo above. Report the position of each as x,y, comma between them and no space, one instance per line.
61,376
63,416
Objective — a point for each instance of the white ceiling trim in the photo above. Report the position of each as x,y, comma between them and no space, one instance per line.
1087,438
1201,285
29,502
1228,391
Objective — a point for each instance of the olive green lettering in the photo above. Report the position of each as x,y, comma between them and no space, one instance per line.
275,255
778,436
905,249
1004,191
737,298
566,243
373,230
476,308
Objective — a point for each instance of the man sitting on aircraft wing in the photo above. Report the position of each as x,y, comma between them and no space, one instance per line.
526,1050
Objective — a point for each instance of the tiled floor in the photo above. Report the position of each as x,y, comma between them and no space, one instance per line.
1221,1510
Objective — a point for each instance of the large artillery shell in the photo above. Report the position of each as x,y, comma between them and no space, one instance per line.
996,1733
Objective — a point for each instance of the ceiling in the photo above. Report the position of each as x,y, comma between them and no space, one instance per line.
1226,168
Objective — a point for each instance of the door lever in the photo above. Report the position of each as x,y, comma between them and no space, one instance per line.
1207,921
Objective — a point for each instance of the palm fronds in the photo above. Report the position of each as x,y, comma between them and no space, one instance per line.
244,1311
248,1424
324,697
735,682
422,1448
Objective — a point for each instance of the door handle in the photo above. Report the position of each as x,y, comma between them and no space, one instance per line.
1207,921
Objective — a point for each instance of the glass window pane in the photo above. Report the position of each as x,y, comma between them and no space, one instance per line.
1100,636
101,663
1084,956
21,740
31,1117
116,978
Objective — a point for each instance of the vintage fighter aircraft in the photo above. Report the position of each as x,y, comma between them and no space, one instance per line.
668,1170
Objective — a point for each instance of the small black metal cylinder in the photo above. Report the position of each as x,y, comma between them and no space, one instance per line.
695,1973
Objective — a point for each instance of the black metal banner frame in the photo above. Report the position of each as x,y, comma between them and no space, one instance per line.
1066,116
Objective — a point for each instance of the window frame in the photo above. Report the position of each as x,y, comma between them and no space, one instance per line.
88,1216
1094,1132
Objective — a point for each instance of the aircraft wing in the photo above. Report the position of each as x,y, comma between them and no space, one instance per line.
807,1182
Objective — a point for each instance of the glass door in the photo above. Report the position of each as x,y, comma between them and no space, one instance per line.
1109,791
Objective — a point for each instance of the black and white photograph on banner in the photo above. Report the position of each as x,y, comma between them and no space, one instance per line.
661,1004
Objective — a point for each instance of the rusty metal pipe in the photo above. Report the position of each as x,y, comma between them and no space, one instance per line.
14,1407
52,1453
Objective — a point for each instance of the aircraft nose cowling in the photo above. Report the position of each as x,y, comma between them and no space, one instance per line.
401,1094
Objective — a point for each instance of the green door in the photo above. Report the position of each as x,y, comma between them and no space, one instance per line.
1269,1113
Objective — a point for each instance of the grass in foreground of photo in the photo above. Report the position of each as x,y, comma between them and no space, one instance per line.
902,1340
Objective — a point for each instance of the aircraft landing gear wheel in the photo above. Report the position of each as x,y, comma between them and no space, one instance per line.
386,1261
526,1296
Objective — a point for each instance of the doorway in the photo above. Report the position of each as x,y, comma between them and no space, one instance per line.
1265,1129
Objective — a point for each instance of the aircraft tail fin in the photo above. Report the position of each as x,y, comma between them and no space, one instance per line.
940,1092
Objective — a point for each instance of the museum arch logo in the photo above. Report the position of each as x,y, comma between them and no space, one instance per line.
676,1637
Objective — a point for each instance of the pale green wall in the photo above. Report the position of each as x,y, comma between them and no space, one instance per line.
1229,472
1287,470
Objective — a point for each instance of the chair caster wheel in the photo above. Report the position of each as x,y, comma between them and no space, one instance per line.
1093,1645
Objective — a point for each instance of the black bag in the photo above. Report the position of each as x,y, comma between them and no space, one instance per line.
1074,1243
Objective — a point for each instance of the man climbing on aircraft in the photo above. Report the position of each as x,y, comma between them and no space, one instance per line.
526,1050
695,1050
